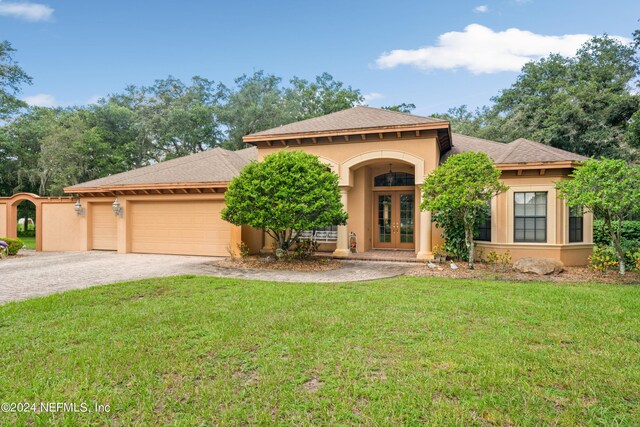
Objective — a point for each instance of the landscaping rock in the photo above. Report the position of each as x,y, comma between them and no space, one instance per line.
540,266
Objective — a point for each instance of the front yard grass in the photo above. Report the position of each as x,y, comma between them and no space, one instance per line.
201,351
29,242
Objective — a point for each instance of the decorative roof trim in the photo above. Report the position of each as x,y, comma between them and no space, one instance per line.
356,131
566,164
141,187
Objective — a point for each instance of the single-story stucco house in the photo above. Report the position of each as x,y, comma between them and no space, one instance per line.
381,158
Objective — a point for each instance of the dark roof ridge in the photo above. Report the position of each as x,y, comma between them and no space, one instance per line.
399,112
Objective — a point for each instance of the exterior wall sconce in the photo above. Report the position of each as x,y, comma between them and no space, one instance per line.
117,209
80,211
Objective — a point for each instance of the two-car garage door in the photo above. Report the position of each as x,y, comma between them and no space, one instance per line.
178,227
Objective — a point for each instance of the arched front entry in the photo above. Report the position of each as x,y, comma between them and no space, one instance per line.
384,214
9,214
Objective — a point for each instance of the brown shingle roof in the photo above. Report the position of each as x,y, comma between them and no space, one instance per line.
526,151
211,166
359,117
464,143
519,151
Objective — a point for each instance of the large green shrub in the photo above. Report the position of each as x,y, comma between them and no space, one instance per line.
610,189
455,241
630,231
14,245
288,192
462,186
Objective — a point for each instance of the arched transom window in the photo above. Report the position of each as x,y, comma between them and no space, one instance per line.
394,179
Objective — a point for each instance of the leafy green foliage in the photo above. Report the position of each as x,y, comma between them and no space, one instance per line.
199,350
500,261
259,102
462,188
452,226
611,190
629,231
304,100
12,77
401,108
254,104
45,150
603,258
303,249
171,118
581,104
14,245
288,192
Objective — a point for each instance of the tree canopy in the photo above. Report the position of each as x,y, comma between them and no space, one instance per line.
288,192
462,186
12,77
584,104
611,190
46,149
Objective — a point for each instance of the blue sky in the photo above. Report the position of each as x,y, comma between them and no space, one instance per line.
434,54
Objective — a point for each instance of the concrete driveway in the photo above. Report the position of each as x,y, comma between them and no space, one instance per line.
43,273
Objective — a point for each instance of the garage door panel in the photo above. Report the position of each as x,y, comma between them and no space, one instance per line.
104,234
184,227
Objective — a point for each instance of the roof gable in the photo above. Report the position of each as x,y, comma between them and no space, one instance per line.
526,151
356,118
519,151
211,166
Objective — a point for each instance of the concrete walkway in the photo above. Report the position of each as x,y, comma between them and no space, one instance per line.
44,273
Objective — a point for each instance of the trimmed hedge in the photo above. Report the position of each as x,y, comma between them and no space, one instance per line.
14,244
630,232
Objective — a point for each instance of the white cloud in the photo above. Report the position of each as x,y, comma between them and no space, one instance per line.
41,100
368,97
28,11
483,8
481,50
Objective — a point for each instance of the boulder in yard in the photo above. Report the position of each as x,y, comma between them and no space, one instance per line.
540,266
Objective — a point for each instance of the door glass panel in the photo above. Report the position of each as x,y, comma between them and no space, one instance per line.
406,218
384,218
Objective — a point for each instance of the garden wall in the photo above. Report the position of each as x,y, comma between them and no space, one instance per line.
3,220
61,227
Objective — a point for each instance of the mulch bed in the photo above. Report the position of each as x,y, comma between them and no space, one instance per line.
269,263
486,272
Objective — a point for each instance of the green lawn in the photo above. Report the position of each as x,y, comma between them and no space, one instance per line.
30,242
201,351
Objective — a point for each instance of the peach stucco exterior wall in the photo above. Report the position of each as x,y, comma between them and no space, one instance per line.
253,238
356,162
3,220
124,222
557,244
61,227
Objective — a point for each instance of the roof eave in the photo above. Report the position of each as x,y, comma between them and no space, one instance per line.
357,131
135,187
565,164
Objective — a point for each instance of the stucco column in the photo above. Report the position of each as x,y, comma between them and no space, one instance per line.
123,245
342,246
269,244
425,250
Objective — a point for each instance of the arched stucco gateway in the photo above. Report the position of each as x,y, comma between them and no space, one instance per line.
9,213
347,167
357,195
